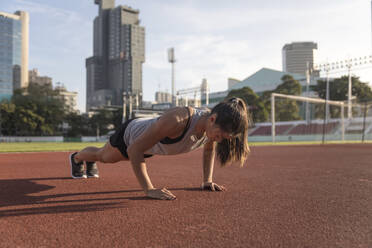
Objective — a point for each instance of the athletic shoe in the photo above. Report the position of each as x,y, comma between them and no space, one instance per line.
77,169
92,169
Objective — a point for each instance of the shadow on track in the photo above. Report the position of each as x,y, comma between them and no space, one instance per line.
16,193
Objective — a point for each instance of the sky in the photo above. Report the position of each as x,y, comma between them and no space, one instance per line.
213,39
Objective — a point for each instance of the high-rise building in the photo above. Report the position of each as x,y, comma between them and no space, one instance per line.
118,55
296,55
13,52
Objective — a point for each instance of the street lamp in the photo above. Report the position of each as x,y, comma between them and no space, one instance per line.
124,118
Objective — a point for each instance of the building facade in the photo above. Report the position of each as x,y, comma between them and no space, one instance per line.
267,79
35,78
163,97
68,97
262,80
118,55
13,52
296,55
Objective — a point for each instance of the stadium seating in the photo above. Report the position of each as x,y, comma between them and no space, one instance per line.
295,129
313,128
354,128
263,130
266,130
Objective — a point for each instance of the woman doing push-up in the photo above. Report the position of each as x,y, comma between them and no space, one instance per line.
222,131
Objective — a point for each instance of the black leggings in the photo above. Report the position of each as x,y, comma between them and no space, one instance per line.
117,140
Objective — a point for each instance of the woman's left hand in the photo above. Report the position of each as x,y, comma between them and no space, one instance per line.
212,186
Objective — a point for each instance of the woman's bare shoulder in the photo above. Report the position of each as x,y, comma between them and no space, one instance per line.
175,118
178,114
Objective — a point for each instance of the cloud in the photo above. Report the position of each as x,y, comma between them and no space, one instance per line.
205,56
60,26
244,15
60,40
214,39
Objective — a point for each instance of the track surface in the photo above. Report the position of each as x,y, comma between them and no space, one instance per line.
286,196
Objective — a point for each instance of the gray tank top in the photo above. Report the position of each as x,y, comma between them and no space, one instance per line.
188,143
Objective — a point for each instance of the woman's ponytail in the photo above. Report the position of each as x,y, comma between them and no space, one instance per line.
232,117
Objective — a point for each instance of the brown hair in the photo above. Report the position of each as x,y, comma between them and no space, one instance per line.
232,117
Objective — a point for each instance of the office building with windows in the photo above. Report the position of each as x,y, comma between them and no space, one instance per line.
13,52
69,98
118,54
296,55
163,97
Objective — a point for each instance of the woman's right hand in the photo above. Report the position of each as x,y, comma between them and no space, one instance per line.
162,194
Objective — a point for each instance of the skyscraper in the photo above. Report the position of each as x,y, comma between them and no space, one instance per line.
13,52
296,55
118,55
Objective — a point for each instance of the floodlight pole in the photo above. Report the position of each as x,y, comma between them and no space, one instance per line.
307,91
349,110
327,96
342,122
364,120
172,60
173,102
207,97
204,91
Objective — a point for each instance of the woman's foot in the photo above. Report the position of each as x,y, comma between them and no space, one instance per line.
77,169
92,169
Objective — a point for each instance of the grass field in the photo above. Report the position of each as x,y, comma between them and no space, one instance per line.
46,146
73,146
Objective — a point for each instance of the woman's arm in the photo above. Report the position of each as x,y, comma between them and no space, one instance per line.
167,125
208,161
208,164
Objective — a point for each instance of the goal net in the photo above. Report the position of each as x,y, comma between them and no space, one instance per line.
298,118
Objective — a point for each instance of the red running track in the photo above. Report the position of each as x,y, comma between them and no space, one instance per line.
286,196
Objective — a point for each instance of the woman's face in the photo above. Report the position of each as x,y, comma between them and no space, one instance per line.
214,131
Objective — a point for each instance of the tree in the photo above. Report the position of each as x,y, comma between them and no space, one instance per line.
338,89
7,118
102,121
117,118
37,111
255,105
285,109
78,125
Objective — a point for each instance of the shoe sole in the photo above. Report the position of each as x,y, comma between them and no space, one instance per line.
82,177
95,176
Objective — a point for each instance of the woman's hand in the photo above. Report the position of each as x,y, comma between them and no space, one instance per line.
162,194
212,186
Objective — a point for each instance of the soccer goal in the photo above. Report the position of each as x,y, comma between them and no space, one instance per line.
298,118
